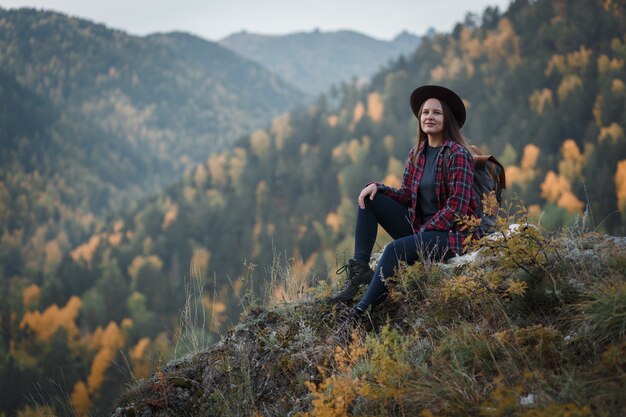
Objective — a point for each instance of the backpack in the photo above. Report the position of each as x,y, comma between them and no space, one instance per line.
489,177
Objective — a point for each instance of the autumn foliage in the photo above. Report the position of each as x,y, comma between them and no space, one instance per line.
94,278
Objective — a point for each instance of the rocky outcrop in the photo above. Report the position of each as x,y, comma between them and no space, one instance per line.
453,339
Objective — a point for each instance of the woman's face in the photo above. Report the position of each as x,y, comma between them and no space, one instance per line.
431,117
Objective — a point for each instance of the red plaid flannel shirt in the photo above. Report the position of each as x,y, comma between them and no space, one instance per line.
455,197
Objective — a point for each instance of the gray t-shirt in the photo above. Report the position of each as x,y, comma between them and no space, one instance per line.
427,192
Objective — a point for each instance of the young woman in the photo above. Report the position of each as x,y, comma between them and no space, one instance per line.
422,215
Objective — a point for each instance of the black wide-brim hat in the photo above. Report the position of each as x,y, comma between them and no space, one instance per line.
423,93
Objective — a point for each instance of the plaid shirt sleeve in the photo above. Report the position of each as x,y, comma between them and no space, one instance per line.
459,197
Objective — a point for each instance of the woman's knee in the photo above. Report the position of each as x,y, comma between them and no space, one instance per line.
390,250
375,202
389,259
380,205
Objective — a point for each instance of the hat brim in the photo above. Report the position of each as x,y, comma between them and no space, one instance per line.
423,93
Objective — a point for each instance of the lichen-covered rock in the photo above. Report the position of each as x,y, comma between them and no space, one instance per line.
260,365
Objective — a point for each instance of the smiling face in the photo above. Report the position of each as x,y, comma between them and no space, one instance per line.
432,120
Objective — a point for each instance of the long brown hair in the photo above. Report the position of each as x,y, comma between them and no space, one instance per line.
451,129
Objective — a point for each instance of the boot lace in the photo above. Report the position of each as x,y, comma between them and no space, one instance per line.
352,270
351,266
342,269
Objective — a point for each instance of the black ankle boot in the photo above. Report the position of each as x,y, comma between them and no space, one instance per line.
359,273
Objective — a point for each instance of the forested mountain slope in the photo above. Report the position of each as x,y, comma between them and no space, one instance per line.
59,174
173,94
94,118
91,120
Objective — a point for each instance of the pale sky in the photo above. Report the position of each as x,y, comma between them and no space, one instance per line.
216,19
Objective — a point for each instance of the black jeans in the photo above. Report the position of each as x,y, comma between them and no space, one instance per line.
408,246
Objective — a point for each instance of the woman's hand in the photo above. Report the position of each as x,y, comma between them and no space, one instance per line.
370,191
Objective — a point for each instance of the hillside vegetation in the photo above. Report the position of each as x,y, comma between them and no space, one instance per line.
535,326
544,86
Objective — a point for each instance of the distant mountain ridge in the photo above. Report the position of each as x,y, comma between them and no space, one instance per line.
313,61
176,94
101,117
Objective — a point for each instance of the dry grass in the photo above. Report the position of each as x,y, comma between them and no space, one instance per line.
535,327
